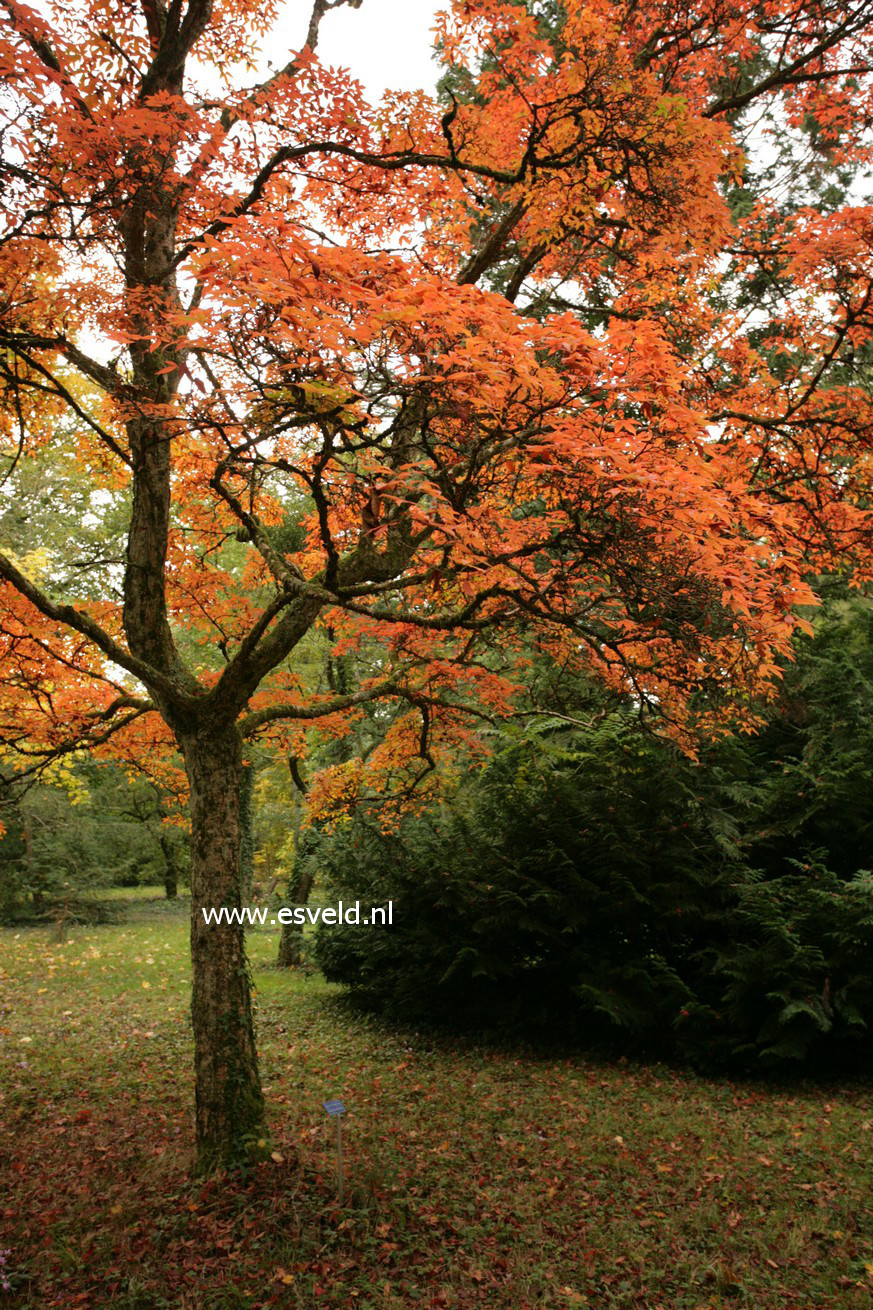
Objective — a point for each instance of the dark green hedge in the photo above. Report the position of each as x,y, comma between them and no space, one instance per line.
598,890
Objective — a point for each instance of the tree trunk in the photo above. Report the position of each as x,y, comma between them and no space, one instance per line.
171,883
168,840
229,1101
247,832
290,954
36,892
291,938
171,873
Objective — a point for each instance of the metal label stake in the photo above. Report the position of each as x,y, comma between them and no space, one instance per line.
336,1110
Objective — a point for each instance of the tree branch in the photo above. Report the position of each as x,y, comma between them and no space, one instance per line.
307,713
58,388
320,7
493,247
88,627
47,756
791,73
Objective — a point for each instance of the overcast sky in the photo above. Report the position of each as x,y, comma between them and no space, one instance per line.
385,43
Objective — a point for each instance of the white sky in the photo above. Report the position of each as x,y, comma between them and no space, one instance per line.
385,43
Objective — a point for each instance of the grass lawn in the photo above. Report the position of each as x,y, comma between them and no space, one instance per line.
474,1177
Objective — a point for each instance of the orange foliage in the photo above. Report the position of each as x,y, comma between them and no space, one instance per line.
483,351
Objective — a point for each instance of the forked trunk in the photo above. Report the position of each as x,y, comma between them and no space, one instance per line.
229,1102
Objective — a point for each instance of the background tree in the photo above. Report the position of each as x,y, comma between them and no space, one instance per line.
592,885
804,780
80,828
473,348
160,817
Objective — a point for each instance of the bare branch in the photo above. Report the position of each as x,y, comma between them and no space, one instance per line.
319,9
285,574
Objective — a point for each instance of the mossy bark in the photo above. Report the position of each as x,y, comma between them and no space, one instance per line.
229,1101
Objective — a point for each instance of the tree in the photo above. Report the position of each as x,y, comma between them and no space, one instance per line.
804,779
591,883
418,373
55,850
77,827
299,884
148,804
544,898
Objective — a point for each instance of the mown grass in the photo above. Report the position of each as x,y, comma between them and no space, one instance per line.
474,1177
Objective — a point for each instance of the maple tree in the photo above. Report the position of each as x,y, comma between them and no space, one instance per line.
503,360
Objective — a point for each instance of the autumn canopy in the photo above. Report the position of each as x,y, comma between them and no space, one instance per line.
541,363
